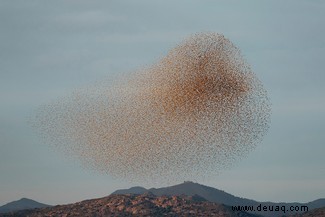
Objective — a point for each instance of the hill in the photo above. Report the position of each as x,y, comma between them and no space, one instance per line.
221,197
190,189
319,212
186,199
137,205
21,204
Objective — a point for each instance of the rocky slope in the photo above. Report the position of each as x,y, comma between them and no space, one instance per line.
221,197
136,205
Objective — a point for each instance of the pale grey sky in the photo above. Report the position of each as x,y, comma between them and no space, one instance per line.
49,48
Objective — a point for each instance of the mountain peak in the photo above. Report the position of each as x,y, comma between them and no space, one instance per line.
25,199
23,203
133,190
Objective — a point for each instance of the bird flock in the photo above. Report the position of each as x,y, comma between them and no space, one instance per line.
188,116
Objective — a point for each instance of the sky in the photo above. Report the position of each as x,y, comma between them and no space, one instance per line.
50,48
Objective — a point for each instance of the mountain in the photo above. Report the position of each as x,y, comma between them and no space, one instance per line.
190,189
209,193
133,190
186,199
21,204
319,212
316,203
136,205
221,197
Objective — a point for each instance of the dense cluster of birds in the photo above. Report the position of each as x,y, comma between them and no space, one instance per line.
194,112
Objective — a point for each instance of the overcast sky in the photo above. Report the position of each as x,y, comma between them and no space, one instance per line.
49,48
